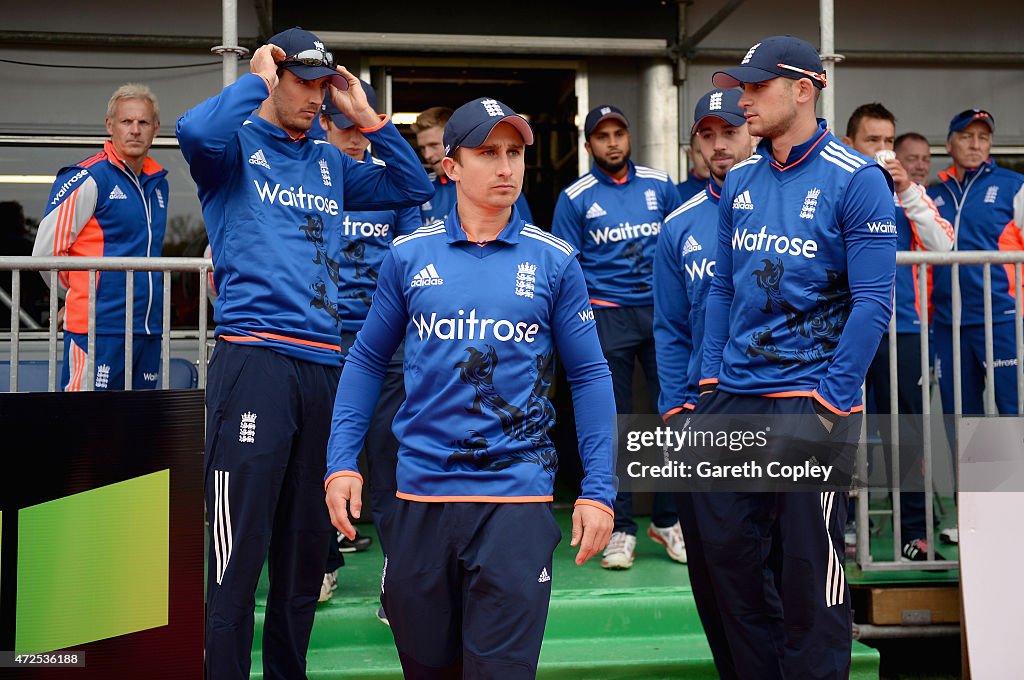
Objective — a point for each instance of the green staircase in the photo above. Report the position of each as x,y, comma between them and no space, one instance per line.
639,624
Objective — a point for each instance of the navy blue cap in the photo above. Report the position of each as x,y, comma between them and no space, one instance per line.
724,104
965,118
340,119
778,56
300,44
472,122
602,113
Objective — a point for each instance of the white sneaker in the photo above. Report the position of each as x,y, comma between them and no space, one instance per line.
328,587
670,537
619,553
950,535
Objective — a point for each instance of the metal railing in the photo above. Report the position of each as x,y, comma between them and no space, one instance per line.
93,265
956,259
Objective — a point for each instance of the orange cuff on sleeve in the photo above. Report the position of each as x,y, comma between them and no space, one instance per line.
384,119
821,400
342,473
708,381
602,506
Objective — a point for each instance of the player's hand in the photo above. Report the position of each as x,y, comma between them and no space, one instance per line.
352,102
345,495
591,530
900,179
264,63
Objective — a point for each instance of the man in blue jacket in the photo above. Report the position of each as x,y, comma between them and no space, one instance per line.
483,300
684,267
613,215
274,201
112,204
801,295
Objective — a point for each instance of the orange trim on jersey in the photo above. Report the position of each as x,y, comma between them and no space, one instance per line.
603,303
833,409
813,146
708,381
790,393
299,341
671,412
1011,239
93,160
600,506
711,188
76,357
89,243
239,338
383,121
473,499
342,473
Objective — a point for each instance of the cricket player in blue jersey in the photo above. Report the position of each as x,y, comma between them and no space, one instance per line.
483,300
366,236
273,201
684,266
801,296
613,215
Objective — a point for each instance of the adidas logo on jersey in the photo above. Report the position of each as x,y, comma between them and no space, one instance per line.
544,576
595,210
259,159
743,202
116,194
160,198
427,276
691,245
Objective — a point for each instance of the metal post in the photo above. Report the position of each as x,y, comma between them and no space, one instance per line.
165,338
582,109
203,273
52,340
15,318
926,409
990,371
829,59
660,141
229,50
129,329
90,356
894,411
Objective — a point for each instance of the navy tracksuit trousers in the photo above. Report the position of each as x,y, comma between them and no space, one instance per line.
267,424
775,559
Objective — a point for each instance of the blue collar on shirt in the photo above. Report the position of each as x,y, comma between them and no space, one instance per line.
798,152
269,128
601,176
456,234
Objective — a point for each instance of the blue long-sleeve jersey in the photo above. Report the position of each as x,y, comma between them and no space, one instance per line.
273,209
443,200
684,266
366,237
615,227
481,324
691,187
804,274
986,208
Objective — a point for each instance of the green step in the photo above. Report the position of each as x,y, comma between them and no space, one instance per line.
639,624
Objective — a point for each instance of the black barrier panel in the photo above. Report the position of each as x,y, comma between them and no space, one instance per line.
102,533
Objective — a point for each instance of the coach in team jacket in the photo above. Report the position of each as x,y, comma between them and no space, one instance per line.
483,301
802,293
273,201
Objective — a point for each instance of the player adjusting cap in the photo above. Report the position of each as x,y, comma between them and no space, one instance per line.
472,122
724,104
965,118
340,119
306,56
779,56
602,113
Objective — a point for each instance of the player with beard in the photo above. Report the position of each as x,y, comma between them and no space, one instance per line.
801,296
684,266
613,215
482,299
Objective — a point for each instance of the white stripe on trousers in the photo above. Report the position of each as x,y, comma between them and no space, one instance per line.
835,578
221,522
